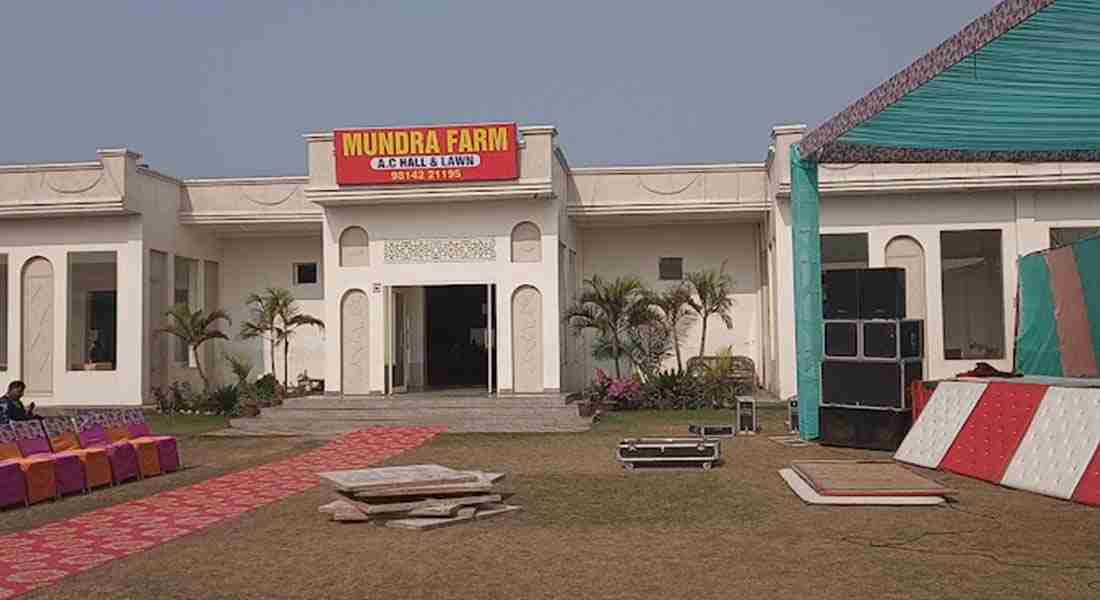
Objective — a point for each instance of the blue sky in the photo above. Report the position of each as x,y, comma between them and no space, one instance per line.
208,89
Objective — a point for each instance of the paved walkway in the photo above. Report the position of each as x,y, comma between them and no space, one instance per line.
40,557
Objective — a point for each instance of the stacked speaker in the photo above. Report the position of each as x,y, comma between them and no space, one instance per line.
872,354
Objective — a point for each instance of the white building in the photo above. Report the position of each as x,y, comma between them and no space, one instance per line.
97,251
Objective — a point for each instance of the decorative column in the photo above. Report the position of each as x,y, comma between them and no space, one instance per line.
809,328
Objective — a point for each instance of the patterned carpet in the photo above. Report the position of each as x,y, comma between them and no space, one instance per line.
40,557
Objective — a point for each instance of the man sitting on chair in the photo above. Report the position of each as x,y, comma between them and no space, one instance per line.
11,404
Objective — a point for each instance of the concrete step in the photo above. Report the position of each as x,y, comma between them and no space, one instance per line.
432,401
418,412
453,425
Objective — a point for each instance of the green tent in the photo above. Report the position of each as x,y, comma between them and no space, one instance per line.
1018,84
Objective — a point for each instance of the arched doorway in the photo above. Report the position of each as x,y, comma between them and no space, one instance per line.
904,252
38,326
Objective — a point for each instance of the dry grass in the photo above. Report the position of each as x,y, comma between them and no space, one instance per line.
592,530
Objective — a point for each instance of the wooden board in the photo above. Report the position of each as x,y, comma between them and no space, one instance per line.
865,478
392,478
809,496
400,507
464,515
481,484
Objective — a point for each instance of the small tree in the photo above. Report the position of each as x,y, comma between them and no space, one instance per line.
712,297
610,308
289,319
676,315
265,311
195,328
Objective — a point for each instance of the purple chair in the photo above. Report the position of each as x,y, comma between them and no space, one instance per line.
167,448
123,457
13,484
68,468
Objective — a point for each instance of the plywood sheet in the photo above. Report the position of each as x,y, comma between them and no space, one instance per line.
400,507
809,496
1059,445
865,478
990,437
939,423
388,478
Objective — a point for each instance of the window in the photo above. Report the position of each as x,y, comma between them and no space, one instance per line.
973,294
670,268
305,273
186,290
4,312
93,311
1064,236
844,251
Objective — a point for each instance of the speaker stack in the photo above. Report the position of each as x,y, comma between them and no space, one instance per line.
872,354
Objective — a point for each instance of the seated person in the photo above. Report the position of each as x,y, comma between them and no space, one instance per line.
11,404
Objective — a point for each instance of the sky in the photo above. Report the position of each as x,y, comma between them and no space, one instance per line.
207,88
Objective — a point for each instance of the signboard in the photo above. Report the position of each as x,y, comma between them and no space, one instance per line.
415,155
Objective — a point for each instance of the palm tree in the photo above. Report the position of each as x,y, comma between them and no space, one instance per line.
265,312
676,315
712,297
195,328
289,319
611,308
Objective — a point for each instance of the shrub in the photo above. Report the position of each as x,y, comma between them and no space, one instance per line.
267,390
225,400
621,393
672,388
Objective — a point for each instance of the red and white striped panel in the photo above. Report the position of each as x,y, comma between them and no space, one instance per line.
1030,437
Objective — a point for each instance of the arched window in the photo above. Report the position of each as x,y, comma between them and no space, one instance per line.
354,248
526,243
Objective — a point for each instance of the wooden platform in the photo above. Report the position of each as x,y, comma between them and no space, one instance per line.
865,478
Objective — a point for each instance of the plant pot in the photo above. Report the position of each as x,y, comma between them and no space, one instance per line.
586,409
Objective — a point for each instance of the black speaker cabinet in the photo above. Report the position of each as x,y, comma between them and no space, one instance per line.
882,294
864,428
867,384
840,293
841,339
892,339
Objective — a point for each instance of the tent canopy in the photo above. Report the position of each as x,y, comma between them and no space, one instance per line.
1021,83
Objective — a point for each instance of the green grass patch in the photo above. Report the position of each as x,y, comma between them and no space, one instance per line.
180,425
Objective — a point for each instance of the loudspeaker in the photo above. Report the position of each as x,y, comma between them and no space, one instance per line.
841,339
864,428
867,384
840,294
892,339
882,294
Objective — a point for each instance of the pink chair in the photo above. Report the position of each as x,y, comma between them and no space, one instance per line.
167,448
123,457
13,484
33,443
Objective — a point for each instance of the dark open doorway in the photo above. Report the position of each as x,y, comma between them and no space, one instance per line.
457,320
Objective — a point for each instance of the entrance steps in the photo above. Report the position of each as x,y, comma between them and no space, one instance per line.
459,412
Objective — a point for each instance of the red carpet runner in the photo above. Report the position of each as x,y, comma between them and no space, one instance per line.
39,557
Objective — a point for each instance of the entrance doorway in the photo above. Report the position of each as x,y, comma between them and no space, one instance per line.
459,324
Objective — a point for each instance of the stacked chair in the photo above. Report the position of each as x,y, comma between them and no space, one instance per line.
46,458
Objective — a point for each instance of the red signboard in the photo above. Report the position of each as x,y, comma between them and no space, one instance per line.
448,154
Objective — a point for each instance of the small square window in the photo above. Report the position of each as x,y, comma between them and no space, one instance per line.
305,273
671,268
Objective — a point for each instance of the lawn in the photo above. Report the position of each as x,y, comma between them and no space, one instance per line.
590,529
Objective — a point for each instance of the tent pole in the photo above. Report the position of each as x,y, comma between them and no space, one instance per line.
809,329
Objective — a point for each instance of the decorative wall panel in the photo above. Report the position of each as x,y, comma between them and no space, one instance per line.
441,250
